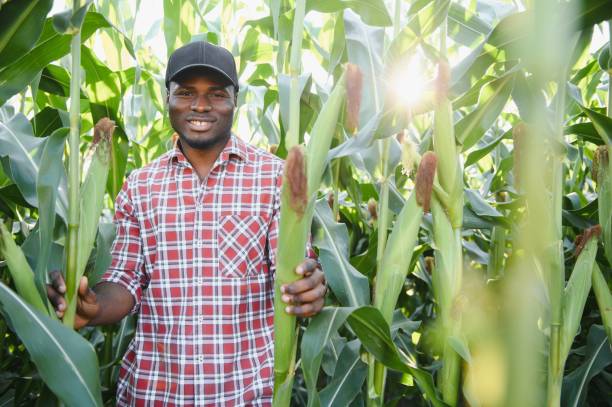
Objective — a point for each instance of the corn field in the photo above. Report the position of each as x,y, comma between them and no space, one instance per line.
453,158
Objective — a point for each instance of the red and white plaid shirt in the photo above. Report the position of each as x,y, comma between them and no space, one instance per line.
198,257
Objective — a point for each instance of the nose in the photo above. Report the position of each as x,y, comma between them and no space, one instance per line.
201,103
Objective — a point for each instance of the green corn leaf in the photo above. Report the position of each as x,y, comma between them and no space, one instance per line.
322,133
48,178
349,285
21,23
598,357
602,123
371,328
24,151
396,259
65,360
179,23
349,375
491,102
51,47
373,12
22,274
318,333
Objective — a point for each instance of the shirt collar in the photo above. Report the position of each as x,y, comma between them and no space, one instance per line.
234,147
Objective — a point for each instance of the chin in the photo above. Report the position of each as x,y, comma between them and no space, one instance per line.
203,142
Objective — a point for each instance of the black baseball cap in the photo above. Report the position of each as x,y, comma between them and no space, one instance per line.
205,55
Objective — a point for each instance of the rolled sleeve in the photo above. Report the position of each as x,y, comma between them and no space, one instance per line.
127,264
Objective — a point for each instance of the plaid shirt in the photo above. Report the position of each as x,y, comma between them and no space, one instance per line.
198,257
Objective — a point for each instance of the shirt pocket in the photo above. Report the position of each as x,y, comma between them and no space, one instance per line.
241,241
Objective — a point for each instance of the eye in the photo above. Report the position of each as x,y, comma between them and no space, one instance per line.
183,92
219,95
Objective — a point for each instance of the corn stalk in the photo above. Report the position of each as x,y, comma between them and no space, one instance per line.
293,133
447,211
390,277
74,175
91,202
376,370
301,180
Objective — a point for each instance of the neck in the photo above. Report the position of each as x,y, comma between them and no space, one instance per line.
202,160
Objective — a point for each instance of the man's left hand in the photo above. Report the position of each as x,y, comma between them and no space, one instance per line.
305,297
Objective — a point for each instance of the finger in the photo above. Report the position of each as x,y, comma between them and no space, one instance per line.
58,301
307,267
85,293
57,280
306,310
304,284
309,296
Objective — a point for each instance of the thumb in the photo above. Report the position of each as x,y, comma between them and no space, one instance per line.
85,293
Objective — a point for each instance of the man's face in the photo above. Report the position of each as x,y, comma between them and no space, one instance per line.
201,108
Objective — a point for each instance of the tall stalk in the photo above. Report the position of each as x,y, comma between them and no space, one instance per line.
376,370
554,258
74,176
301,181
447,222
295,67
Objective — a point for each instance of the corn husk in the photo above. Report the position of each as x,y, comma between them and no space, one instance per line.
21,273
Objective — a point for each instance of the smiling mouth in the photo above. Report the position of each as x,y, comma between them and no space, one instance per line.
199,125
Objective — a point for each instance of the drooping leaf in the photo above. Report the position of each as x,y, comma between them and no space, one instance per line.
349,285
373,331
21,23
50,47
65,360
314,339
348,378
50,174
602,123
466,27
491,102
597,357
24,151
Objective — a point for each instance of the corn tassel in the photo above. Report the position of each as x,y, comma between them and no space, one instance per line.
91,203
298,193
20,270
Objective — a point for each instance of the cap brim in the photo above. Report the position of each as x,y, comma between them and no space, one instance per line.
206,66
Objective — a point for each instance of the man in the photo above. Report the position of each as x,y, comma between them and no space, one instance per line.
194,254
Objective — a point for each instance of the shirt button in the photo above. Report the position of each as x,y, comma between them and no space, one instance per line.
201,358
199,244
201,319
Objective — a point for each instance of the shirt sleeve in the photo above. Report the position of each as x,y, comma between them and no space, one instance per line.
272,240
127,264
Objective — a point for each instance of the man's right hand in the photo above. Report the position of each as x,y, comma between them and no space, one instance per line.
87,302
